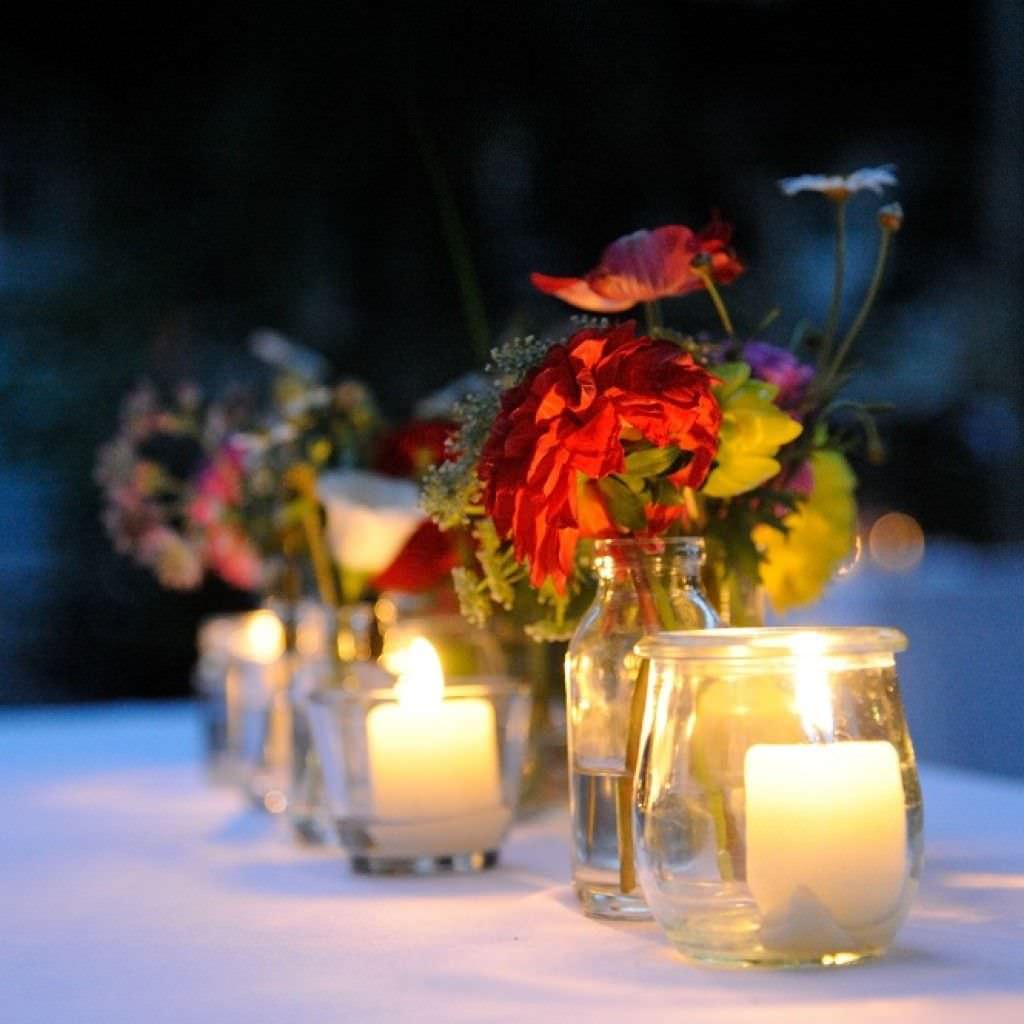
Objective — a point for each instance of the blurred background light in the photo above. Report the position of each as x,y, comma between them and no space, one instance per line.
896,542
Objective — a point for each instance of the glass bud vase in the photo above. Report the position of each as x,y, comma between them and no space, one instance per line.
643,587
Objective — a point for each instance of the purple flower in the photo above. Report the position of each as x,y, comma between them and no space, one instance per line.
781,368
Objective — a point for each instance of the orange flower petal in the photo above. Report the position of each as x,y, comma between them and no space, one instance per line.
577,292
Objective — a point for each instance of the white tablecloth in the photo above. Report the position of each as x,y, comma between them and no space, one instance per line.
130,891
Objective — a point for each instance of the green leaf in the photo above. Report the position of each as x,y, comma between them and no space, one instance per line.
651,461
624,506
733,376
637,484
664,492
654,462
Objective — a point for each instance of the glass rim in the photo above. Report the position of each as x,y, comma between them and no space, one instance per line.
771,642
460,687
653,544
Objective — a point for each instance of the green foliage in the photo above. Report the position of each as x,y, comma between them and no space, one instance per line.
624,505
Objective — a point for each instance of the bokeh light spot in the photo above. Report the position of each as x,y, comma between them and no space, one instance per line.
896,542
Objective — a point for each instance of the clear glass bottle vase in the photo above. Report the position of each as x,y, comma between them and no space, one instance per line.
643,587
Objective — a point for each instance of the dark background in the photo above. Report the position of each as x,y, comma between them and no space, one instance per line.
168,186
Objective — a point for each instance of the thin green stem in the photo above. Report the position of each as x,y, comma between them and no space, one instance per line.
457,240
865,307
716,297
652,314
318,555
625,792
832,324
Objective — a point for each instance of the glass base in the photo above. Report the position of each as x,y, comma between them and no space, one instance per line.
310,830
458,863
766,959
268,799
610,904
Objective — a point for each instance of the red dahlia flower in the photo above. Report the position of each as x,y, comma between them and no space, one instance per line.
646,266
563,427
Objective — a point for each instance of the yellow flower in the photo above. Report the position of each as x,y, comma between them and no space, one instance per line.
798,564
753,430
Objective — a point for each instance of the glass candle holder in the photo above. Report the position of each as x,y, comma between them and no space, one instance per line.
422,783
326,641
778,812
209,680
259,713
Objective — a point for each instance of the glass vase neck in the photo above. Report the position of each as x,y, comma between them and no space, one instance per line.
618,559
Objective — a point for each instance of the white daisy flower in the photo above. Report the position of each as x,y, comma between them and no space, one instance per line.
838,186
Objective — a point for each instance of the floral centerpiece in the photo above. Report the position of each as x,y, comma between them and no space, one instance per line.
237,488
172,483
620,430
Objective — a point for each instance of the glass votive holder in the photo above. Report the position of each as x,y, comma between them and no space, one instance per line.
423,784
210,682
327,641
259,711
777,811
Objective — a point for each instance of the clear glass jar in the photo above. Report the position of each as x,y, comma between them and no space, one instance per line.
423,783
326,640
643,586
210,682
778,812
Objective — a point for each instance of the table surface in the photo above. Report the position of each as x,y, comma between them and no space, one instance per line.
132,891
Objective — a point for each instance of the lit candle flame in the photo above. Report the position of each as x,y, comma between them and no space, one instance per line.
420,677
262,638
813,694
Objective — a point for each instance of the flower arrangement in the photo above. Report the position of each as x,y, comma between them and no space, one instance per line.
233,488
614,431
172,483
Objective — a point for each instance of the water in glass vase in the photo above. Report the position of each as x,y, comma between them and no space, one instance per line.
601,824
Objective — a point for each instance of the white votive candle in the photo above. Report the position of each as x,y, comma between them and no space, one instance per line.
431,758
826,839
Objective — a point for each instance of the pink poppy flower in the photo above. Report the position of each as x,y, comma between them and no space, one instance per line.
646,266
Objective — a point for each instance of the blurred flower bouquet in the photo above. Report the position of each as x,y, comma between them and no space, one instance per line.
172,481
621,432
238,489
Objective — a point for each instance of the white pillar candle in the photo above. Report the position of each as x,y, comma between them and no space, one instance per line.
431,758
826,840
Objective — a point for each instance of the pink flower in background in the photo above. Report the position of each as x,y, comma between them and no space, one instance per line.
175,562
221,479
219,485
779,367
232,557
800,479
